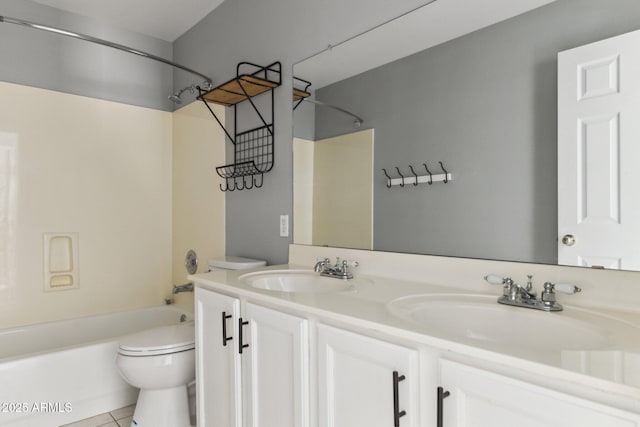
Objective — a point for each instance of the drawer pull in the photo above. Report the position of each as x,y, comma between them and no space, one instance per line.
442,394
397,413
225,338
240,343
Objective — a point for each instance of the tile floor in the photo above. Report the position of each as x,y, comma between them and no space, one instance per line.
118,418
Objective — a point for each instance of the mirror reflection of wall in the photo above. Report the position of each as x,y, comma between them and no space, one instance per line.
485,105
340,172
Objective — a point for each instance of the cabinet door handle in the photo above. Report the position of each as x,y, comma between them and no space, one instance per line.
240,344
397,413
225,338
442,394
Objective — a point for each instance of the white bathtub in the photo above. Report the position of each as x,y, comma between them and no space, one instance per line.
59,372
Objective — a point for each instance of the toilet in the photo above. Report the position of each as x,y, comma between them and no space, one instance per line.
234,263
161,363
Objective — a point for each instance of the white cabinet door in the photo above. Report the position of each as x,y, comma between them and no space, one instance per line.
479,399
276,368
598,153
357,384
217,360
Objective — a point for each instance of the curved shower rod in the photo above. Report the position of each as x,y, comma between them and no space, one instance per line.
99,41
357,122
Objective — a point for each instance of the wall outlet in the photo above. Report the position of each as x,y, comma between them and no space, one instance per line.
284,225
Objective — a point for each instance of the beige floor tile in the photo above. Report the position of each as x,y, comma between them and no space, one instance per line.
98,420
125,422
125,412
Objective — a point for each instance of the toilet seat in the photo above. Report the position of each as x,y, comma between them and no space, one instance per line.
159,341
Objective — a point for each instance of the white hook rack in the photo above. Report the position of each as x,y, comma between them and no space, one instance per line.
414,179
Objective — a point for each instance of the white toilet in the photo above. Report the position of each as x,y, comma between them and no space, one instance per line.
234,263
161,363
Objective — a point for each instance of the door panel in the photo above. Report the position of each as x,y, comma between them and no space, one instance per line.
598,153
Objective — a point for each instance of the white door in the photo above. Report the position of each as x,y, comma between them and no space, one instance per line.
218,392
480,399
276,361
365,382
599,154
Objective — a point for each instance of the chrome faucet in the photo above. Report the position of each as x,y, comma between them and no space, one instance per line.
321,264
516,295
187,287
340,270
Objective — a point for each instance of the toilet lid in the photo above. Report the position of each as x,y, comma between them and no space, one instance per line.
234,263
162,340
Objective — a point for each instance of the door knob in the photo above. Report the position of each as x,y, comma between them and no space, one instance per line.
568,240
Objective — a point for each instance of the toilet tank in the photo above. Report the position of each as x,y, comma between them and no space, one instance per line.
234,263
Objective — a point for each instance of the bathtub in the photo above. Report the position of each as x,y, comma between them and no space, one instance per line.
58,372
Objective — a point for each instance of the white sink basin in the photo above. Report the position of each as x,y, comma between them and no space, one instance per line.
296,281
480,318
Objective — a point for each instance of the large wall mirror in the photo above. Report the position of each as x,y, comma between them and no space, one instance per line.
471,86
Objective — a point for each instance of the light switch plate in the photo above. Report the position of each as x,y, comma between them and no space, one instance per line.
284,225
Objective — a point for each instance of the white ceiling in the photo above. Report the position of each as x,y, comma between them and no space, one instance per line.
163,19
427,26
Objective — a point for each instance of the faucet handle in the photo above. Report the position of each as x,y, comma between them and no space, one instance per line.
548,296
350,263
494,279
566,288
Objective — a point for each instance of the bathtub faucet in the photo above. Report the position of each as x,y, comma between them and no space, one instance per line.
187,287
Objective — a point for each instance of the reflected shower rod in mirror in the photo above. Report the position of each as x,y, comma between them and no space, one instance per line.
96,40
357,122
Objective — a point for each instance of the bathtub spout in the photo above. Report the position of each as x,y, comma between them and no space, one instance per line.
187,287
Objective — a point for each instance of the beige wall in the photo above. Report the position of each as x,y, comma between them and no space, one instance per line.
138,186
98,168
302,191
343,188
198,203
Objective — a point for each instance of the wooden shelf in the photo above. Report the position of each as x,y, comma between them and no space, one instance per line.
253,152
300,94
231,93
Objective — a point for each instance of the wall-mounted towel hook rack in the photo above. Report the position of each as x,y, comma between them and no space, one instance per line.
388,177
255,183
237,185
253,149
246,185
446,180
402,177
416,179
415,175
429,172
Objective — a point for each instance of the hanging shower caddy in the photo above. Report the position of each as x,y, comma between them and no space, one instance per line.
253,154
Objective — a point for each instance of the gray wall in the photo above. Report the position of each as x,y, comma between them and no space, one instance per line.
49,61
262,32
484,105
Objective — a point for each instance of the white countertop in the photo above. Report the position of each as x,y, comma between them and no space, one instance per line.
613,368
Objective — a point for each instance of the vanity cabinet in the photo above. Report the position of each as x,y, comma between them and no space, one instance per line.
218,364
261,366
276,369
364,381
479,398
252,364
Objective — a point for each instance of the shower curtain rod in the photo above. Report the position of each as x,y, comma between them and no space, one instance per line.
357,122
99,41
